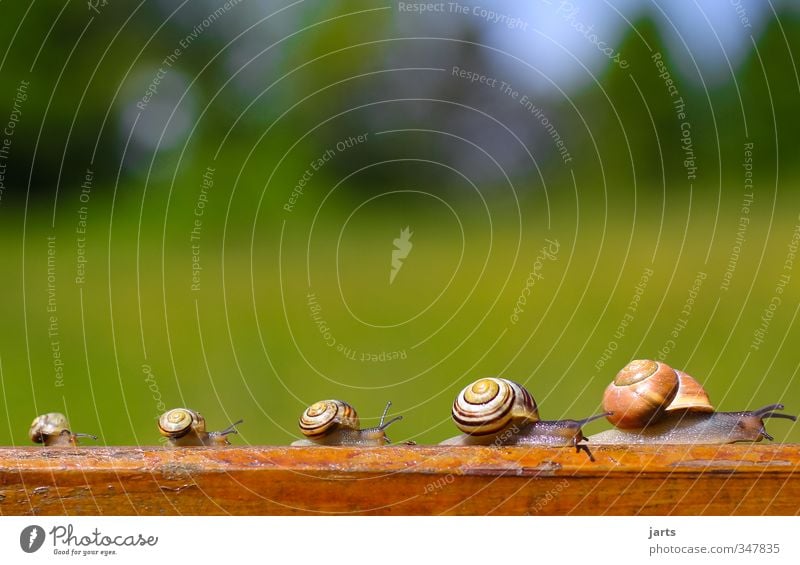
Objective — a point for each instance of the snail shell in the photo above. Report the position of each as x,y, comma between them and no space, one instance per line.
178,422
655,404
335,422
644,390
184,428
48,426
495,411
489,405
690,396
325,416
53,429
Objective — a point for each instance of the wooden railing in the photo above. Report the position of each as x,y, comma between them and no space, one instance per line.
724,480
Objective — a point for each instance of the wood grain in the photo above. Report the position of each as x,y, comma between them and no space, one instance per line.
401,480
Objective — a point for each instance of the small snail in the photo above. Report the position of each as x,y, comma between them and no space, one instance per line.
654,403
53,429
184,427
496,411
334,422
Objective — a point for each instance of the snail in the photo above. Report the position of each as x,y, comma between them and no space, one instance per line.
495,411
654,403
334,422
184,427
53,429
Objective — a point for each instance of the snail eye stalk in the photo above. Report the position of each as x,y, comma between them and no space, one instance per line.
585,421
778,415
382,425
231,429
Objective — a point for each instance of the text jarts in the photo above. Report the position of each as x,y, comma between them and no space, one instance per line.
654,533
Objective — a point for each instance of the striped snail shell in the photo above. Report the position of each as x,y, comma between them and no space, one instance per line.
335,422
499,412
322,417
53,429
489,405
178,422
185,428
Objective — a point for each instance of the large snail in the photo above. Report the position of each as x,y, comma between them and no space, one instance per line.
53,429
184,427
654,403
495,411
334,422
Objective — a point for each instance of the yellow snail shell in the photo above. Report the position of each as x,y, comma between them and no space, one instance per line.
53,429
178,422
187,428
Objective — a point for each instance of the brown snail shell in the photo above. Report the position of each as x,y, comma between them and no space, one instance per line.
685,415
690,396
489,405
645,389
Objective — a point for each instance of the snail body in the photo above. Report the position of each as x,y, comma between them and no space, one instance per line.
335,422
652,403
495,411
52,429
185,428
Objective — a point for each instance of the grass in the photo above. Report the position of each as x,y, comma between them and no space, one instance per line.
135,338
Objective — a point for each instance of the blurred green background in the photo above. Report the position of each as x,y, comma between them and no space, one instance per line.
185,272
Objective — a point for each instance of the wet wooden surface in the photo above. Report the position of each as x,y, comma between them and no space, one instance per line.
399,480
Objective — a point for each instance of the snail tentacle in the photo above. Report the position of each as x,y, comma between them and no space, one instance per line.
585,421
230,429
